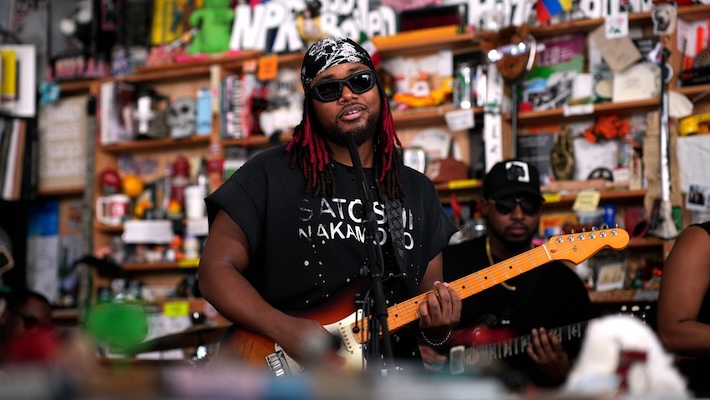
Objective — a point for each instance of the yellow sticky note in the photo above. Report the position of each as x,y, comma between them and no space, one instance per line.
587,200
176,308
552,197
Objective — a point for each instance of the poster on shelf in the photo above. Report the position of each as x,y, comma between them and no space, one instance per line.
62,144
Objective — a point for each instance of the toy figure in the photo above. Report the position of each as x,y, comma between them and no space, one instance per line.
308,23
215,27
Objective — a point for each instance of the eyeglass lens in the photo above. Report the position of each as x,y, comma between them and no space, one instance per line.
529,205
331,90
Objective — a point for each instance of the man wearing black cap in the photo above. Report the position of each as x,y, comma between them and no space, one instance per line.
287,233
549,296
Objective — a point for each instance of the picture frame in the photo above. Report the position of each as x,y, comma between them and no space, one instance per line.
609,273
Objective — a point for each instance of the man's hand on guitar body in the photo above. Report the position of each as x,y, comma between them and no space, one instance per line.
309,343
440,313
547,352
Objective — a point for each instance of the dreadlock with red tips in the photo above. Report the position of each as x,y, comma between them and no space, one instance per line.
309,150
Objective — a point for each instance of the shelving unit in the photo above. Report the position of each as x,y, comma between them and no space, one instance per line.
183,78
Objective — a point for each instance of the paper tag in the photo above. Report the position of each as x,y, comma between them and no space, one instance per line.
176,308
579,109
587,201
459,120
268,67
616,26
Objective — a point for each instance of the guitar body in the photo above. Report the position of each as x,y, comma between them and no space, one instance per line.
338,317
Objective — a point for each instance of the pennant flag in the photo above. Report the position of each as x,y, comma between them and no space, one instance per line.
547,9
369,46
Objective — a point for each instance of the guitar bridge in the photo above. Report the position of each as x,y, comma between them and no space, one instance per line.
277,364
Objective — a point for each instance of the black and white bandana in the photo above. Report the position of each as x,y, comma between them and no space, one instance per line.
328,52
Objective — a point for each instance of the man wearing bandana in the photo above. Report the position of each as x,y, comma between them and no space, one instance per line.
287,230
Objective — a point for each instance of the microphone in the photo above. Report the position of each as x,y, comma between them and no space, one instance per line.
354,155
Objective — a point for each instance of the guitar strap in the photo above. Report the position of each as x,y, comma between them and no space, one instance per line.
394,219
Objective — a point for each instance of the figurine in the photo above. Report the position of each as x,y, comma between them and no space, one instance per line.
215,27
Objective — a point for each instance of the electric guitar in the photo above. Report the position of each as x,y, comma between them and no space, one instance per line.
461,357
352,330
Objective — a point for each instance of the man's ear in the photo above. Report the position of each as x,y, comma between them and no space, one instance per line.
484,206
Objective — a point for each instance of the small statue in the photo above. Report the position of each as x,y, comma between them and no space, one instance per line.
562,156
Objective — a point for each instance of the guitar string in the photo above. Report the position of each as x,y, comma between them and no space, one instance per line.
490,260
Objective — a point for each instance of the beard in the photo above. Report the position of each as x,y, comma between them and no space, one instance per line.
361,133
514,246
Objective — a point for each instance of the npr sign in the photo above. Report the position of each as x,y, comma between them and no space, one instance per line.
346,18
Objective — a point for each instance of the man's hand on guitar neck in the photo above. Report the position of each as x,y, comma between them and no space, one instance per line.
440,313
547,352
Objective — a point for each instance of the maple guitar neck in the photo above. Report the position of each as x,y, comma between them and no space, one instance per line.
574,247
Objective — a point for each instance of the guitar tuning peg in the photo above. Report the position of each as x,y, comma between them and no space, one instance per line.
594,228
584,230
572,231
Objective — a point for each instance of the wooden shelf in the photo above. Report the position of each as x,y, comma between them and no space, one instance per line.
75,86
648,241
426,40
155,144
623,296
694,90
426,115
75,191
605,195
65,315
187,69
583,25
557,115
160,266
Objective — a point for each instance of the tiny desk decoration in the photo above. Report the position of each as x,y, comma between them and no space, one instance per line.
308,23
562,155
607,127
181,117
214,22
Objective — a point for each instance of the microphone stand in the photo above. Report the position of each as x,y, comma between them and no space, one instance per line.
378,317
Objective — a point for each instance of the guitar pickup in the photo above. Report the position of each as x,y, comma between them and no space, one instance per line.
277,364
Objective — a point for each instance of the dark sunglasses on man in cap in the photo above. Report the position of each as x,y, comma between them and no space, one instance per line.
331,90
529,204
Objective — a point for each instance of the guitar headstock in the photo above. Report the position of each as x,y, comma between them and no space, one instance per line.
579,246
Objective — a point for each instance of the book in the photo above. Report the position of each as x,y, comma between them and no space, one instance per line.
8,83
548,85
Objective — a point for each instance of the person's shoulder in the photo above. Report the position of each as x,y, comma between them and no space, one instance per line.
411,174
269,157
464,247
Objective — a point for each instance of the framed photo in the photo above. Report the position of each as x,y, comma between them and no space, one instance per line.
697,199
610,274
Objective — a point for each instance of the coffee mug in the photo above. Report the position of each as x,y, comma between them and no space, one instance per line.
113,209
195,202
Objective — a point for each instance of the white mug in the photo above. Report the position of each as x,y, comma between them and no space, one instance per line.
195,202
112,209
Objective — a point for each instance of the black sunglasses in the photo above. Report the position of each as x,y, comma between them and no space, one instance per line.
331,90
529,205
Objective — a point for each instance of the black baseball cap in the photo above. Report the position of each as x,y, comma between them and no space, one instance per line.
511,177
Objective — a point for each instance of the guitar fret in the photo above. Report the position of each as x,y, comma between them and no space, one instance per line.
483,287
505,271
